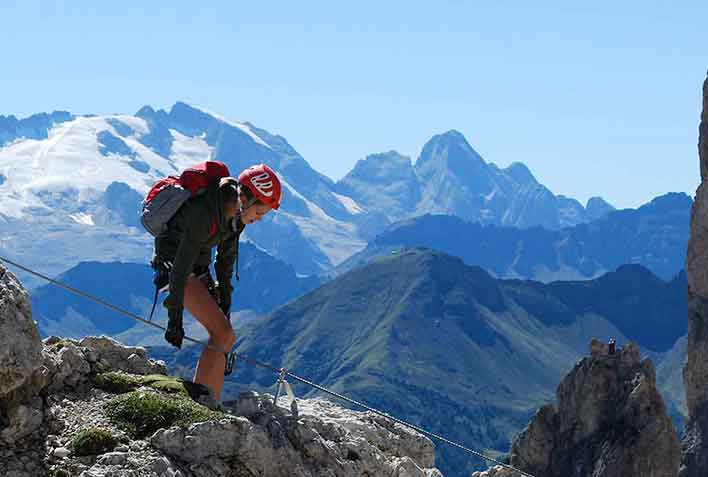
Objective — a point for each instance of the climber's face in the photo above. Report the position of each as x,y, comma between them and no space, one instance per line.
254,213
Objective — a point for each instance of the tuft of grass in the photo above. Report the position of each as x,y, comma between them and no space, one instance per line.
93,441
141,413
118,382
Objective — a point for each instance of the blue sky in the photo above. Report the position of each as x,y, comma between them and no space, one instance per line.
601,99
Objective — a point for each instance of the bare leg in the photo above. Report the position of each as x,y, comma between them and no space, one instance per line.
210,369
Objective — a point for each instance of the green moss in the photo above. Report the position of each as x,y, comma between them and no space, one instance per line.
93,441
140,414
167,384
60,473
117,382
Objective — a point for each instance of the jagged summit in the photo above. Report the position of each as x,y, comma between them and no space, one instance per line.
609,420
36,126
669,202
597,207
383,182
450,147
521,173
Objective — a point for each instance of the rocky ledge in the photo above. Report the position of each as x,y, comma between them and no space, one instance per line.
609,421
95,408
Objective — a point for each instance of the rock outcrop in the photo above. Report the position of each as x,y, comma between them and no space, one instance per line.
609,421
694,460
96,408
21,371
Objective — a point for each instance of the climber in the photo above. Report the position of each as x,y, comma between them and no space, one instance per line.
182,258
611,346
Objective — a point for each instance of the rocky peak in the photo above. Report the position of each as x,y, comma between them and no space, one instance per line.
382,166
451,149
36,126
149,114
95,407
669,203
694,460
609,420
597,207
385,182
520,173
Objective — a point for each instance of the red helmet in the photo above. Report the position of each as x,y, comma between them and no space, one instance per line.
263,183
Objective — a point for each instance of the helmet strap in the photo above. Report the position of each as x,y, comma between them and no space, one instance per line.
244,205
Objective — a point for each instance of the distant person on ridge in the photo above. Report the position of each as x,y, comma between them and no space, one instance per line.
215,217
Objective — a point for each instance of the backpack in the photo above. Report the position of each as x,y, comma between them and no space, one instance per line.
167,195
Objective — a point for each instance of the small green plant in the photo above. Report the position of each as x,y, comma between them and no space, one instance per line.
93,441
117,382
140,413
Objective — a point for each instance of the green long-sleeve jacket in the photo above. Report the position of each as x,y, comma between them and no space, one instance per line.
191,234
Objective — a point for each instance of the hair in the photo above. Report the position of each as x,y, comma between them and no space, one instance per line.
229,192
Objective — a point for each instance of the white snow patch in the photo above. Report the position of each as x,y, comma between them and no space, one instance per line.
349,204
69,159
491,195
138,125
237,124
338,240
188,151
81,218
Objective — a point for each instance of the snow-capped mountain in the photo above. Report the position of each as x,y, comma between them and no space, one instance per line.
75,189
36,126
71,186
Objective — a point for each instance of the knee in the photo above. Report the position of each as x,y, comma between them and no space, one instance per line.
226,337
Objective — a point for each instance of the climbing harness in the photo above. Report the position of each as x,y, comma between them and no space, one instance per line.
232,357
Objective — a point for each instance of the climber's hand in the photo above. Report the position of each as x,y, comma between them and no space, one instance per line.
224,300
175,329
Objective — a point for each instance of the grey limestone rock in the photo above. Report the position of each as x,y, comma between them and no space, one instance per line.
21,361
695,374
324,440
131,359
609,421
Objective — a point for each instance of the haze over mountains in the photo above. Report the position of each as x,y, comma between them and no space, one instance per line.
654,235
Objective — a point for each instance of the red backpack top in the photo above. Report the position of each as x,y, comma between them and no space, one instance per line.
167,195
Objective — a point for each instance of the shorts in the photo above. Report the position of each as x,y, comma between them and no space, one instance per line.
161,277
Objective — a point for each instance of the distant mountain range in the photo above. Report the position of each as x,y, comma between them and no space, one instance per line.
72,185
451,178
266,283
428,338
654,235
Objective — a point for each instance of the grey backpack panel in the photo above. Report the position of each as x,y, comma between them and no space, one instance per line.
163,206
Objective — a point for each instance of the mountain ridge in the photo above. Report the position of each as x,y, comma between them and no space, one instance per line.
655,235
